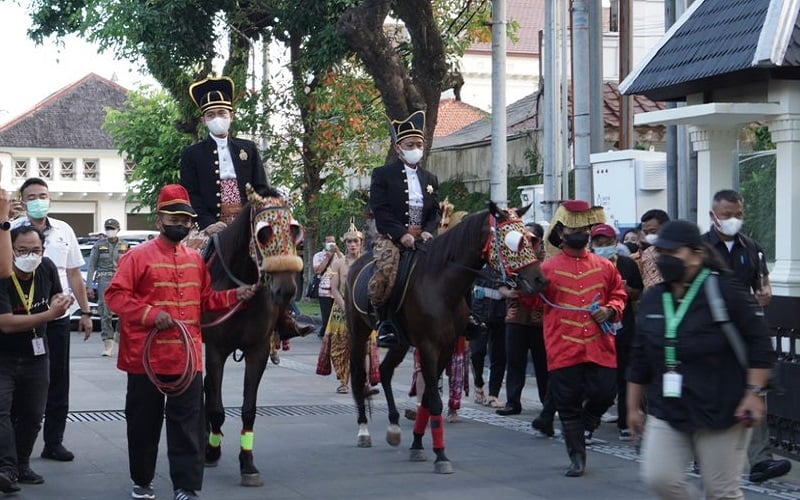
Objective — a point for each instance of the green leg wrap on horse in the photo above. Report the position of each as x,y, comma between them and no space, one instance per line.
247,440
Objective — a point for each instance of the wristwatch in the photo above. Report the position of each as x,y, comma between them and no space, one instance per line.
5,225
757,390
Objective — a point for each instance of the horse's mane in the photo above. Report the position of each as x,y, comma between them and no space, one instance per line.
450,245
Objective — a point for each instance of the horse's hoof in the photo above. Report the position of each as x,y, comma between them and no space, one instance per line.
211,464
443,467
252,480
394,435
213,454
417,455
365,441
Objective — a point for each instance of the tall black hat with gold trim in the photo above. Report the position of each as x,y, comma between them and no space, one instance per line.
413,126
212,93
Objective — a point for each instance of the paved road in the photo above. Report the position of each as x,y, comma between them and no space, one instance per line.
305,446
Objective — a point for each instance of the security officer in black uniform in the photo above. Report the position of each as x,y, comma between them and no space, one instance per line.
101,268
404,200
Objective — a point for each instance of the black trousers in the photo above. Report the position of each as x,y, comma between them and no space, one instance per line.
520,340
57,407
145,410
624,340
325,306
495,344
584,391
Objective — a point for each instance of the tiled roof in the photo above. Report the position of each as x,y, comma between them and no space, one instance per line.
719,43
71,118
529,14
522,116
455,115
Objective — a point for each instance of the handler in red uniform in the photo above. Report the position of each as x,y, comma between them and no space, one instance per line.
581,357
158,283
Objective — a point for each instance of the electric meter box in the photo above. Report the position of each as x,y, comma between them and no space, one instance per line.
628,183
533,194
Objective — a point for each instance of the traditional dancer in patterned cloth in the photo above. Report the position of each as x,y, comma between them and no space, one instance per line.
336,344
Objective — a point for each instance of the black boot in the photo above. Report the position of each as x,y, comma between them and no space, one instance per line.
288,327
544,425
475,328
576,447
387,334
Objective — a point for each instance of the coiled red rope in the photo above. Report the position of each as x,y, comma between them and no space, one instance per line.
184,380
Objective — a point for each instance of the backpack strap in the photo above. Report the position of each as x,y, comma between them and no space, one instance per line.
719,313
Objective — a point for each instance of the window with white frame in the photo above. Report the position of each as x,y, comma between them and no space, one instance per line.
20,169
130,166
46,169
90,170
67,169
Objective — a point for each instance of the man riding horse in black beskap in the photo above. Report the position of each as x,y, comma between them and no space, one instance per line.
404,199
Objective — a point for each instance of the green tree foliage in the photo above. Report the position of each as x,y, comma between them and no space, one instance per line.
145,133
757,187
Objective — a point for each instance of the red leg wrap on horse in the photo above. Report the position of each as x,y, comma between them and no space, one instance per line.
421,421
437,431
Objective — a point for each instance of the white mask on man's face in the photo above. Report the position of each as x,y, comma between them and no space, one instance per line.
729,227
219,125
27,263
650,238
412,156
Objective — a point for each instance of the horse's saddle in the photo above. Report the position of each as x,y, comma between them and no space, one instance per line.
405,269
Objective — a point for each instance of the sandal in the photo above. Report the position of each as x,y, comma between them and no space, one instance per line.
452,416
342,389
480,396
493,402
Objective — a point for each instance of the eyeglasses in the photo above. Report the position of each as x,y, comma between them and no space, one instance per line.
24,252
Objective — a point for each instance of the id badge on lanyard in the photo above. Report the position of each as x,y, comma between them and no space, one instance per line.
37,343
671,384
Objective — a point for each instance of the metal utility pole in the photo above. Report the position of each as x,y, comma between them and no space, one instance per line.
596,77
580,99
673,183
564,138
499,178
625,56
551,150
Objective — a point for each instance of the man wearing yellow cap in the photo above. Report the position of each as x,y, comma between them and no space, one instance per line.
404,200
216,170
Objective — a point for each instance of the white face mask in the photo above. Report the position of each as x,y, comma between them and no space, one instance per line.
729,227
27,263
111,233
412,156
651,238
219,125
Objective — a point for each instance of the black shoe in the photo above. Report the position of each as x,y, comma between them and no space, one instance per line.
387,337
8,484
543,426
475,328
28,476
577,465
769,469
509,410
58,452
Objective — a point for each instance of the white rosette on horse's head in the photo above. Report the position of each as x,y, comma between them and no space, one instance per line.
276,233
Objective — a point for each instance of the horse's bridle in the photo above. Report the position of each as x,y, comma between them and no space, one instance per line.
500,256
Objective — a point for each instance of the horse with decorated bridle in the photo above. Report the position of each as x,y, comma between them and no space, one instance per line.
433,312
258,247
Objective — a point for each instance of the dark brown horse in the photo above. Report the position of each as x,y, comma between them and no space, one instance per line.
257,247
435,311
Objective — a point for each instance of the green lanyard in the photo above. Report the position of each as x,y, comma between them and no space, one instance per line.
673,319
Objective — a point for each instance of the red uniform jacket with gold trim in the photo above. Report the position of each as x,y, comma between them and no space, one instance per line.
573,337
156,276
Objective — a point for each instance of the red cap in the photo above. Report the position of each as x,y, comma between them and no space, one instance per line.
174,199
604,230
576,205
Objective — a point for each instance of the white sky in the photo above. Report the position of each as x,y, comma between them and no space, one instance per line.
30,73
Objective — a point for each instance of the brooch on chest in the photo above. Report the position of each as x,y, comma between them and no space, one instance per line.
243,155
